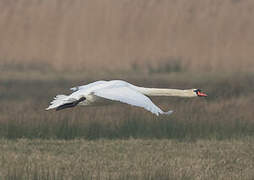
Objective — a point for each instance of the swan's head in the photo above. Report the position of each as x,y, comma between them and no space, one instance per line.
198,93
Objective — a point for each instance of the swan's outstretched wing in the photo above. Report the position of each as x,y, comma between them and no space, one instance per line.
76,88
129,96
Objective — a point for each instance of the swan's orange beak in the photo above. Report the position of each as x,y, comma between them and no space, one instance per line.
199,93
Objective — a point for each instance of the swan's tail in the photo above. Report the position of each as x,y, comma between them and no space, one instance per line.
58,101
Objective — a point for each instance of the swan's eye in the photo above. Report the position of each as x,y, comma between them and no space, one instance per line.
199,93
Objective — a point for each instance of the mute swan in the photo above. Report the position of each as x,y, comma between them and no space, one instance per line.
118,90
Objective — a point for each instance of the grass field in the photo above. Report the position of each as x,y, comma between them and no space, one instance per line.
127,159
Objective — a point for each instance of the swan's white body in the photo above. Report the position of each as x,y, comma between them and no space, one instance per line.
117,90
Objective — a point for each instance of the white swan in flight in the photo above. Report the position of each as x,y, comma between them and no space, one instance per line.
118,90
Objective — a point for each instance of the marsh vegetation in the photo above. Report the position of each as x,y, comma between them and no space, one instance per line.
204,138
49,46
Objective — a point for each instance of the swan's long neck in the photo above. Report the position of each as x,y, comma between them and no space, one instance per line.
166,92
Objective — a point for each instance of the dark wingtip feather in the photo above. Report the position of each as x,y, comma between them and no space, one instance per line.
70,105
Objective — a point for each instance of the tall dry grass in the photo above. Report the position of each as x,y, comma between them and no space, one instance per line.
134,159
226,113
206,35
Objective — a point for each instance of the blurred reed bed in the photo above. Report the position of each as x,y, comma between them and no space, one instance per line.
81,34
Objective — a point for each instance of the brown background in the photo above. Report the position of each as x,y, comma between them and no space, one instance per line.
207,35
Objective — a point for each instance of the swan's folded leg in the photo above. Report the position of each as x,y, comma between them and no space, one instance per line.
168,113
70,105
